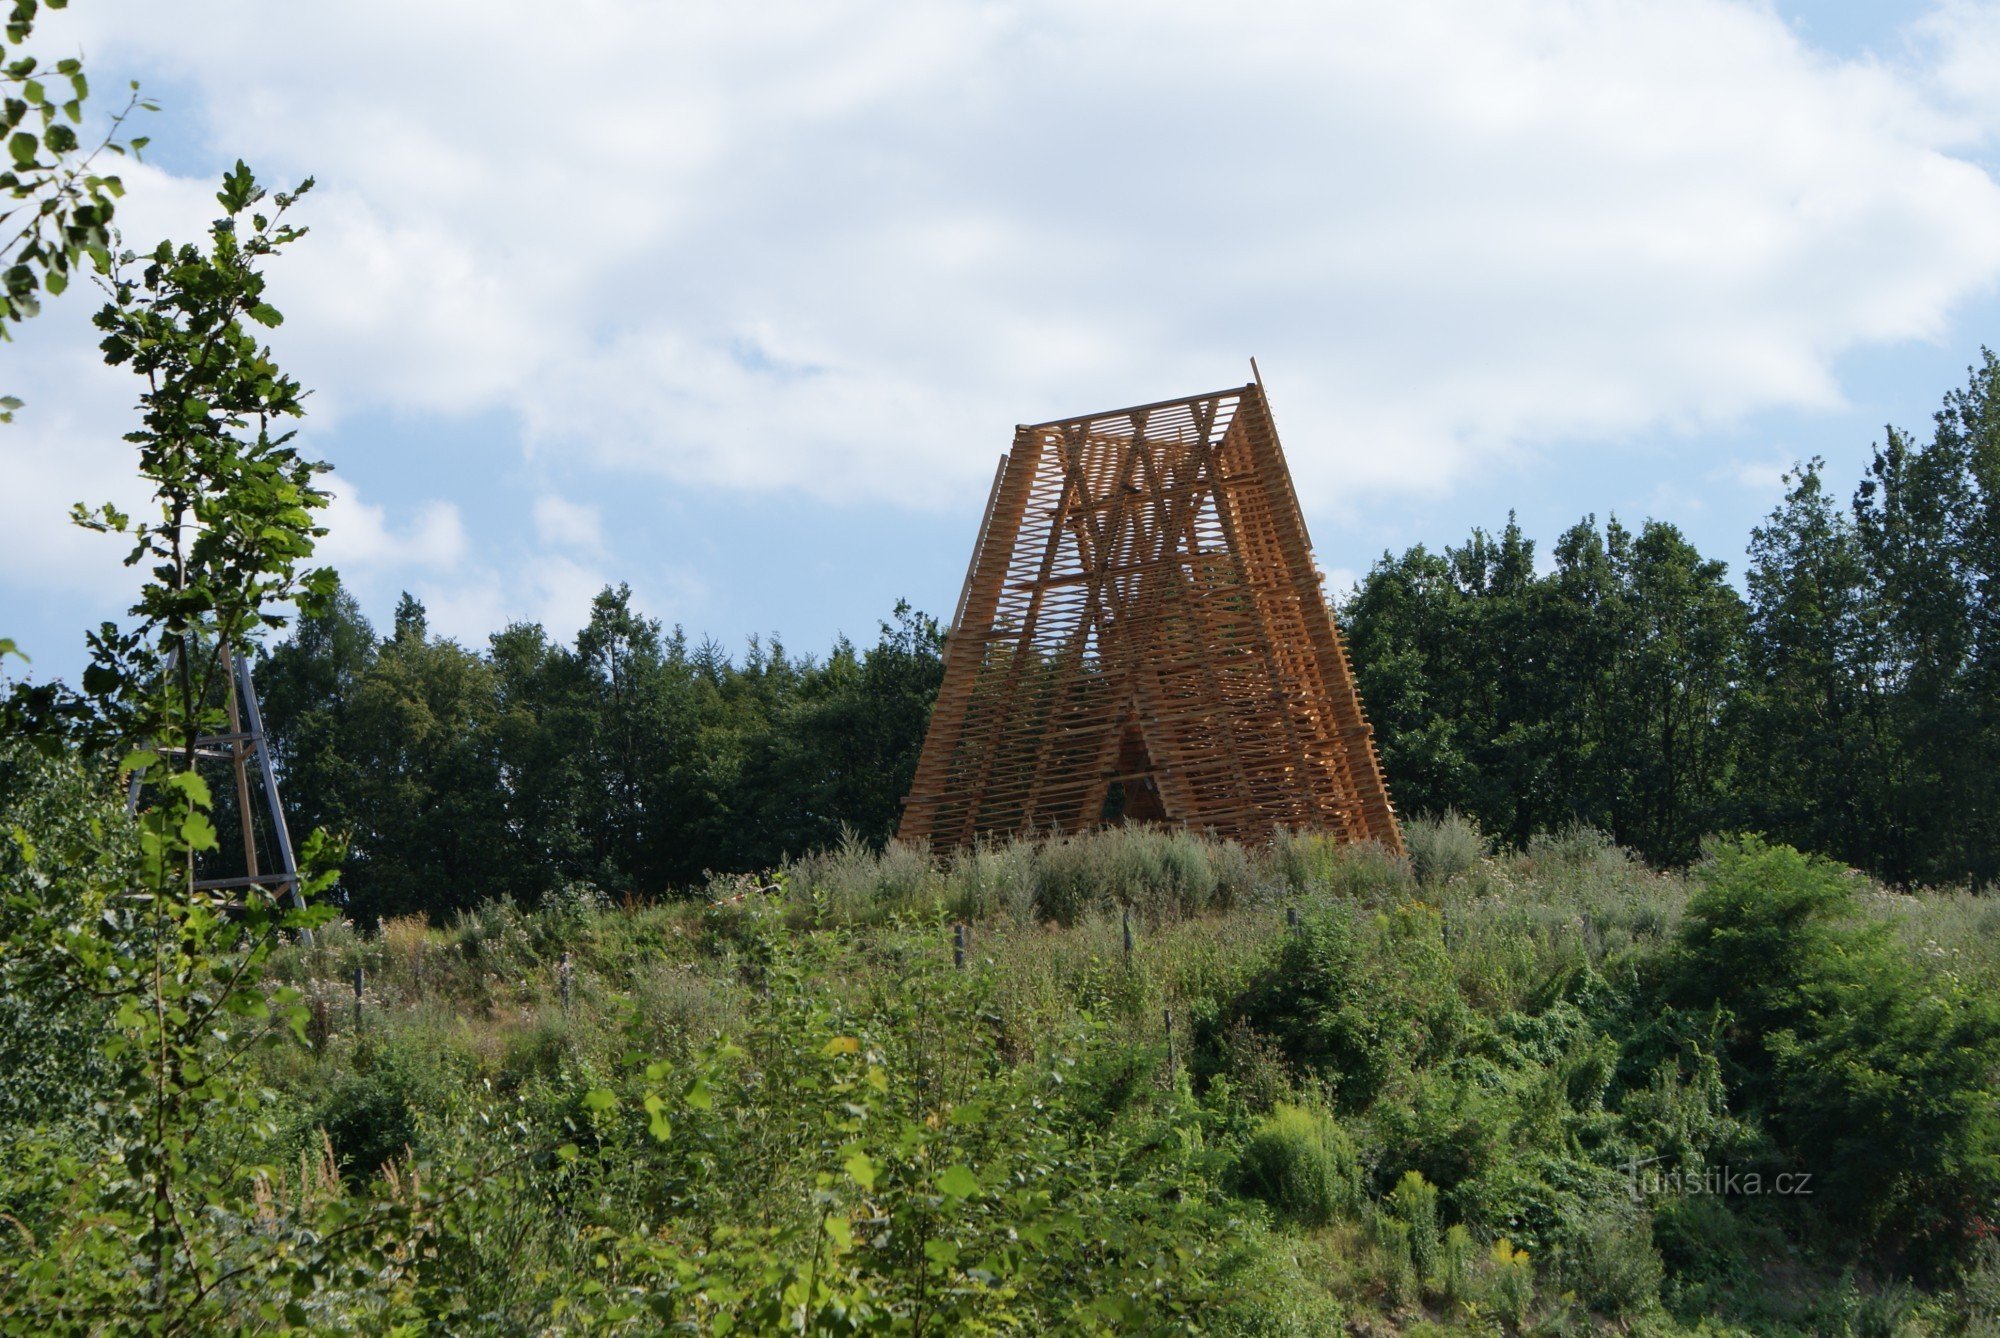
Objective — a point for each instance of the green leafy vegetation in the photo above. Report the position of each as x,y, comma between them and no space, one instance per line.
1845,706
1846,702
636,1021
56,204
1544,1095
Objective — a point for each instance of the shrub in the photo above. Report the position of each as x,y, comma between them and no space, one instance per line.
1701,1241
574,901
374,1113
1303,861
1871,1071
1317,1003
1161,873
1414,1203
1364,871
1979,1293
1457,1264
853,884
1614,1266
1512,1288
1578,845
1272,1294
993,877
1068,879
1316,863
1254,1068
64,836
1302,1164
1443,848
1392,1241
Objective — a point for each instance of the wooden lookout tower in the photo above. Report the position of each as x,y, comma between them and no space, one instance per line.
1143,636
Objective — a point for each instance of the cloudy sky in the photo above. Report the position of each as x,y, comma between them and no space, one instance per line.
739,303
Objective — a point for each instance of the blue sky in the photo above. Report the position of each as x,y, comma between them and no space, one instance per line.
740,305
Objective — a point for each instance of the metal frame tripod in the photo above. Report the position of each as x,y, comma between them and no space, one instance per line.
238,747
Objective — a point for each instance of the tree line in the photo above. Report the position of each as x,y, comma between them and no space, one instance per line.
1844,701
629,761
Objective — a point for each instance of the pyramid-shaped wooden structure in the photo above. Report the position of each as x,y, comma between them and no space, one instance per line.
1143,635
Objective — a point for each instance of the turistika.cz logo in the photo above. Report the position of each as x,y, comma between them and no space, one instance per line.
1649,1180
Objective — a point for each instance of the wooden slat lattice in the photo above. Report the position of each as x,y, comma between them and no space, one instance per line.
1142,609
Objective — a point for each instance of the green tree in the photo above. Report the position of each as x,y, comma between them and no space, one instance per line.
150,1242
1874,1072
428,821
1404,628
1596,693
1678,670
1917,514
307,685
1812,722
841,755
55,205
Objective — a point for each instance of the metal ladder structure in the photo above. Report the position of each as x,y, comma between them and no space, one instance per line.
240,747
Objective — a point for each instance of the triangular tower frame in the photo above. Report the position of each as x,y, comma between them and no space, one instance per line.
242,748
1142,634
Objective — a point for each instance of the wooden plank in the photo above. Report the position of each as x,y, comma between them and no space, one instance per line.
1164,583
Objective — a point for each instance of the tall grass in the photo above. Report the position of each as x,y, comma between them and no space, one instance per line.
1118,963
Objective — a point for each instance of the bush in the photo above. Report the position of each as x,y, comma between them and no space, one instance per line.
1512,1282
1365,871
1872,1072
1578,845
1316,863
1254,1068
374,1113
1303,861
74,839
853,884
1443,848
1457,1264
1614,1267
1414,1203
994,877
1317,1003
1701,1242
1302,1164
1160,873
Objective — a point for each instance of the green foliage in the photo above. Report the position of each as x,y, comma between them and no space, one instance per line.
631,761
58,207
790,1102
1157,872
1303,1165
158,1192
1874,1073
1526,701
1414,1204
1318,1002
373,1115
1443,848
1847,706
1614,1267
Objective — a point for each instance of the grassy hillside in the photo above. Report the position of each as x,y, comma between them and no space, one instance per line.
1548,1091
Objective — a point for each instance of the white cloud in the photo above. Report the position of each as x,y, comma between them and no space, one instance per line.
1963,41
565,524
1765,475
844,247
552,590
361,538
